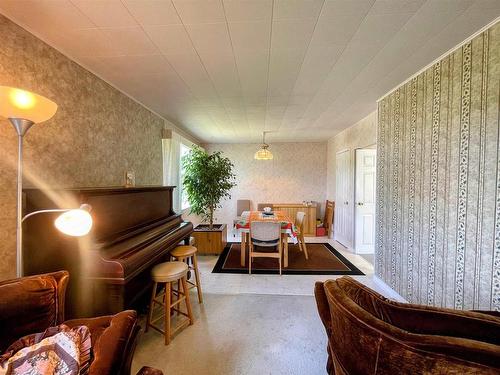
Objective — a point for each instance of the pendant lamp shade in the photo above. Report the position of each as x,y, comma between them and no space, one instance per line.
263,153
20,104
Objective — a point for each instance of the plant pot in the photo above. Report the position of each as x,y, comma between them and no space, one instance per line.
210,241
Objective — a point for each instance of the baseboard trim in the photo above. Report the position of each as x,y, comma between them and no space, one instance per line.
346,248
364,252
388,291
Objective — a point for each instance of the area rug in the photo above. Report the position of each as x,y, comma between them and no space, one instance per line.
323,260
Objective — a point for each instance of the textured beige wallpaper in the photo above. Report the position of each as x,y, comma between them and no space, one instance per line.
96,134
361,134
297,173
438,181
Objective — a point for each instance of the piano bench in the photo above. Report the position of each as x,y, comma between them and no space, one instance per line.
169,273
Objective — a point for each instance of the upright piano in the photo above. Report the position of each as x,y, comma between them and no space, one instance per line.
133,230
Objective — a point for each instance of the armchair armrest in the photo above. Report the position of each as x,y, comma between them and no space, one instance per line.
323,307
114,340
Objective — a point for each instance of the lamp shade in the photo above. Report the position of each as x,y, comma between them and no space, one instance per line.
21,104
75,223
263,154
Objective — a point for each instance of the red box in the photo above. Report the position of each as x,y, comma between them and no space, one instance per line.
320,231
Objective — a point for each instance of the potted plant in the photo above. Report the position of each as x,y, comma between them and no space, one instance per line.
208,179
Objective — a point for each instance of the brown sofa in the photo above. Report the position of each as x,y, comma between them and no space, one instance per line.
369,334
32,304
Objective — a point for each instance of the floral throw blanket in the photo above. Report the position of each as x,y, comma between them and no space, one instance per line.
57,351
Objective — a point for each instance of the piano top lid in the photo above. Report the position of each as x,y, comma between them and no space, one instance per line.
105,189
114,209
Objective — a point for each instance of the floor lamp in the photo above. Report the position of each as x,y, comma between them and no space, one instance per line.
24,109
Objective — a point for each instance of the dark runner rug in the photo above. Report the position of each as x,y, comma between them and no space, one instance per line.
323,260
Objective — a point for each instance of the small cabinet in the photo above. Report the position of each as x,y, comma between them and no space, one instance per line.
291,210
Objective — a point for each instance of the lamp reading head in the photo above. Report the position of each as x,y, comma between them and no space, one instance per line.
77,222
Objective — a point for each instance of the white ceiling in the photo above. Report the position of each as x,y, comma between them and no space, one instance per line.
225,70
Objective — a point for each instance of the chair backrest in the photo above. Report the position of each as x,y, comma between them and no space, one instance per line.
460,341
31,304
242,205
299,220
265,233
260,206
328,220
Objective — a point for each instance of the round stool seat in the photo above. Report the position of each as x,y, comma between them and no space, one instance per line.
183,251
169,271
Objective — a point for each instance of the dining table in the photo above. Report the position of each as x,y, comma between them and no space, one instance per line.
288,230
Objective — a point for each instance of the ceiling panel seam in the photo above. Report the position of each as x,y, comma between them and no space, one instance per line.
301,123
236,66
388,40
205,69
301,65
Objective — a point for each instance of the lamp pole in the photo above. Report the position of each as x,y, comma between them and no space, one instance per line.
23,109
21,126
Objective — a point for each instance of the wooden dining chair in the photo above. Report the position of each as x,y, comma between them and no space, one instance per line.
265,234
299,223
241,205
328,220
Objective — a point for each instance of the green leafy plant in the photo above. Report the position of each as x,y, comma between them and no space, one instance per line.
208,178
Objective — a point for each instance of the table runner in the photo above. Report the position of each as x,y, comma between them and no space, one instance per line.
278,216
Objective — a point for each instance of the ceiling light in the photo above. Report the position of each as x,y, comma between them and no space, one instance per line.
263,153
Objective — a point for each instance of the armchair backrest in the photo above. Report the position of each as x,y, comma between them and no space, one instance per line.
395,337
31,304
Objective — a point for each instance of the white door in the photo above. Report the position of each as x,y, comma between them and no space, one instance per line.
365,201
343,199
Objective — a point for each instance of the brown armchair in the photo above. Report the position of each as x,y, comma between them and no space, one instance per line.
369,334
34,303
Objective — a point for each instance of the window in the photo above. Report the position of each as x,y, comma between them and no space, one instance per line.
174,148
184,150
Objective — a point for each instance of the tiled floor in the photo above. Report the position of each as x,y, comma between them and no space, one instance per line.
286,284
242,334
370,258
251,324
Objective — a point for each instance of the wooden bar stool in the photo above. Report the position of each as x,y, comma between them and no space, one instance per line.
168,273
185,253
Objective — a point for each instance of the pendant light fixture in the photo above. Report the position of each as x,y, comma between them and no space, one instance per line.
263,153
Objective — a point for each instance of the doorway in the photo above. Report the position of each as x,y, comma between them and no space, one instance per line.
365,199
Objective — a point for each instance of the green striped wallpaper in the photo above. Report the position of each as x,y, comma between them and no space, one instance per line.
438,183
